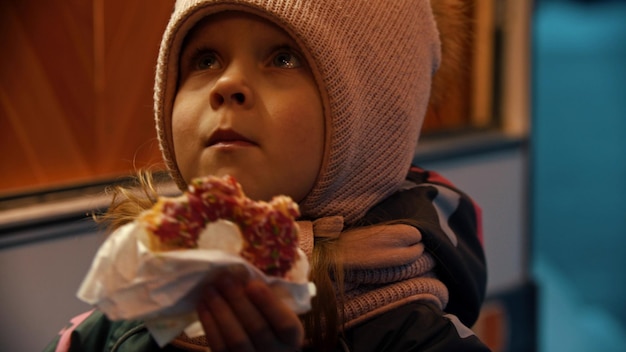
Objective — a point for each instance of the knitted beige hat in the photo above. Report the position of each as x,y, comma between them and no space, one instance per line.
373,62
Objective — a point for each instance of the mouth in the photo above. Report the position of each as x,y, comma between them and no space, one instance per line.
228,138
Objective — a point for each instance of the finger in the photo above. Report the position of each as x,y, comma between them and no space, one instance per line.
231,333
211,330
283,321
253,322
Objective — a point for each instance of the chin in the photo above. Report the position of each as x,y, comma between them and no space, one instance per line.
252,187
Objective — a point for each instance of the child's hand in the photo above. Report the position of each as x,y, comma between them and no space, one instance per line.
241,314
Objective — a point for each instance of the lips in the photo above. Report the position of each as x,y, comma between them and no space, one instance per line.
227,137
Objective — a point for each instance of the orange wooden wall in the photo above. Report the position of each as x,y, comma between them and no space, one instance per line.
76,89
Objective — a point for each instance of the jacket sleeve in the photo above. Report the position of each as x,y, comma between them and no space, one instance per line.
92,332
84,332
417,326
450,223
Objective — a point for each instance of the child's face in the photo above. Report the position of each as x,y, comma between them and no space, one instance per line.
248,106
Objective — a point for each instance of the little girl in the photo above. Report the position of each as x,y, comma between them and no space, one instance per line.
321,101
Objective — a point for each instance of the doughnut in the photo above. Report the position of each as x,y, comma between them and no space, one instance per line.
268,229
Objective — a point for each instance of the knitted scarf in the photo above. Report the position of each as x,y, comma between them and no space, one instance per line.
385,266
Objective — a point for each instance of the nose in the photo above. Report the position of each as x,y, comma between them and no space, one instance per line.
232,89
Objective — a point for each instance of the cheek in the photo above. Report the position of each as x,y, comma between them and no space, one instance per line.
182,129
183,117
304,113
183,132
311,120
300,122
304,134
179,129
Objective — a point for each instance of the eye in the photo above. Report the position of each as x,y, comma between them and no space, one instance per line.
206,60
286,59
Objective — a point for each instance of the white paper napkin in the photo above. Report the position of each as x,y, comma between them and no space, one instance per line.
129,281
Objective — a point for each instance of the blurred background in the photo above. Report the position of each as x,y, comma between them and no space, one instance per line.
542,150
578,171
